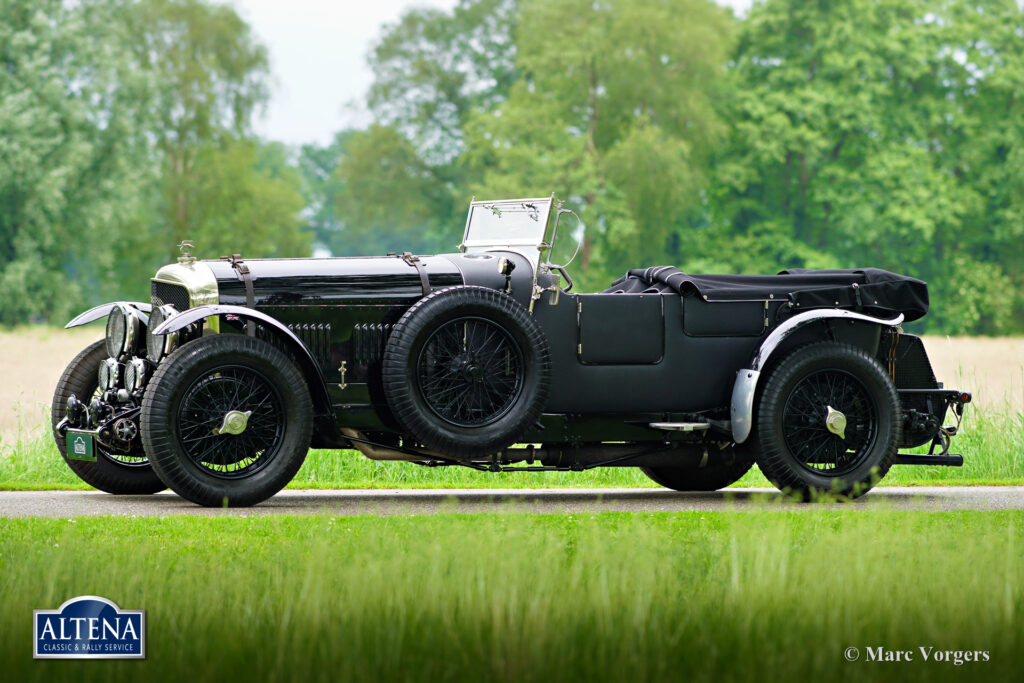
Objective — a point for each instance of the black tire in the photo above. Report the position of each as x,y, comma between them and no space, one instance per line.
727,466
124,476
797,451
499,378
187,399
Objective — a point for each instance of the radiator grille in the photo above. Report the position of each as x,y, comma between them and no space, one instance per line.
317,338
368,340
167,293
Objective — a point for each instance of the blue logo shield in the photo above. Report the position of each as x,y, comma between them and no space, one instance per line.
89,627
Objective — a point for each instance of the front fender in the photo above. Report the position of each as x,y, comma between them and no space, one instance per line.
745,387
104,310
310,368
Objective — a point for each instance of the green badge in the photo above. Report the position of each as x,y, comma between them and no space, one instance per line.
80,446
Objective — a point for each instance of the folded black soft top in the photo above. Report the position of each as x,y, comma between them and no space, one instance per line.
870,290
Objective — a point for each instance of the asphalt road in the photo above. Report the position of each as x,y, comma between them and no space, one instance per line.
429,501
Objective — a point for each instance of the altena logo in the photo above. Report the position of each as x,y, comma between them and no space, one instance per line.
89,627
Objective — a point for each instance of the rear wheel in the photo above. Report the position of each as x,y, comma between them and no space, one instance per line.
828,421
726,467
119,473
227,420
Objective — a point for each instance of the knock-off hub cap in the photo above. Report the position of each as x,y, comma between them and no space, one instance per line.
235,422
836,422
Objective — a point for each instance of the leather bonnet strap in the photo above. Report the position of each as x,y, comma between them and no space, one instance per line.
243,273
416,263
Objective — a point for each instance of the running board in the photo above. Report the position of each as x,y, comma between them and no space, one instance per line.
680,426
948,460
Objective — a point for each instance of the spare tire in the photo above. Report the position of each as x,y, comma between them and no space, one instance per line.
466,371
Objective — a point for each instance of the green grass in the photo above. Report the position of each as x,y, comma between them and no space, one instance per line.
615,596
993,448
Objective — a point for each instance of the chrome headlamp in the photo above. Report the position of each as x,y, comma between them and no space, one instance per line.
159,345
134,374
108,372
122,329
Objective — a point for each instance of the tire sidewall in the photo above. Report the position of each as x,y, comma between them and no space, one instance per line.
782,466
162,401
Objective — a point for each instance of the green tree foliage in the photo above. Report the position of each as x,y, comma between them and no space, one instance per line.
73,152
246,198
320,186
123,129
390,200
830,134
212,75
616,112
399,185
433,70
880,132
824,134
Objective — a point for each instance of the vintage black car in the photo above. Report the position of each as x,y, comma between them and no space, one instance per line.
487,358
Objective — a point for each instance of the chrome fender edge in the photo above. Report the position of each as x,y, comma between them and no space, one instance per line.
741,412
104,310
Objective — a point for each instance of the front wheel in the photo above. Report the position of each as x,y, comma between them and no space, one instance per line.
828,421
227,420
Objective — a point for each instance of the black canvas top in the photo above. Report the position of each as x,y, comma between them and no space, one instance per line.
871,290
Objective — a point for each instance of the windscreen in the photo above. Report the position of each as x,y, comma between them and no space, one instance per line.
519,221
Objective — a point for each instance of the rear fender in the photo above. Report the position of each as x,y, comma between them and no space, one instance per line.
745,388
104,310
310,368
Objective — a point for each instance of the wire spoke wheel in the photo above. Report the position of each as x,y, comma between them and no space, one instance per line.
470,371
805,427
828,421
466,371
201,418
227,420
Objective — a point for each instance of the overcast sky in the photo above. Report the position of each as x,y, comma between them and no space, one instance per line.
318,56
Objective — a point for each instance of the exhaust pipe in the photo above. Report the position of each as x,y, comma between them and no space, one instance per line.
378,452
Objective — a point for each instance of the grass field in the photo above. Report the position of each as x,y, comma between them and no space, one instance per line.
616,596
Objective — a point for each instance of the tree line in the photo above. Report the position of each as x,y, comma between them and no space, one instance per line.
829,134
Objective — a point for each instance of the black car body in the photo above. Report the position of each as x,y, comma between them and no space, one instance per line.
487,358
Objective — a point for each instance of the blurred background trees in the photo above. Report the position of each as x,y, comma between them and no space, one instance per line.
826,134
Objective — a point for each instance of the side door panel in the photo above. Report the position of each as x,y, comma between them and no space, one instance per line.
620,329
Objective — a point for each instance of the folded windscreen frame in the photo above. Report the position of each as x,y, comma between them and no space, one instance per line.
868,290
